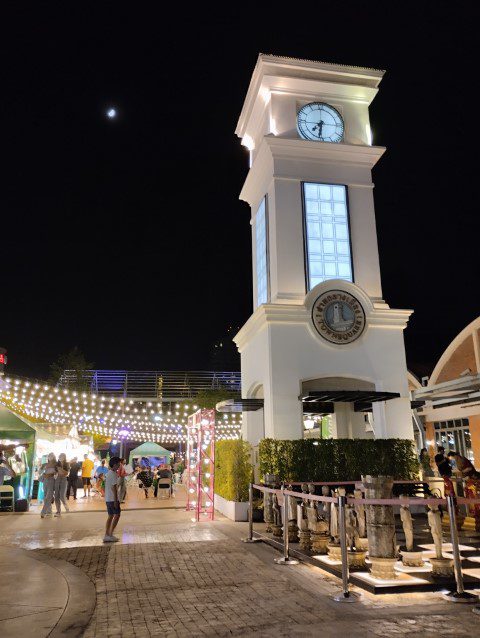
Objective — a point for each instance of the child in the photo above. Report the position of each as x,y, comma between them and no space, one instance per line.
111,500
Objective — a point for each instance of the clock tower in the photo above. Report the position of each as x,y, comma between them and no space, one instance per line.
321,340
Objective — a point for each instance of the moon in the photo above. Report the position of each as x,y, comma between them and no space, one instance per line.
112,113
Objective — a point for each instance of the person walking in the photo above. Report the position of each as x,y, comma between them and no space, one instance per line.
48,473
72,478
87,467
111,500
60,487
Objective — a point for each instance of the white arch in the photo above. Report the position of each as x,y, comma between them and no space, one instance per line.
412,379
459,339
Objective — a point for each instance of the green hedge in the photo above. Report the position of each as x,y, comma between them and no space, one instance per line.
338,459
233,470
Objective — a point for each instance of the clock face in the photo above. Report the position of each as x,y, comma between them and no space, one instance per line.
320,122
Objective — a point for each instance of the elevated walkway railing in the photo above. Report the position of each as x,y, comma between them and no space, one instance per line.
165,385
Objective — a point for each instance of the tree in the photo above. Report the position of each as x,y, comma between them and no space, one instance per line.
210,398
75,362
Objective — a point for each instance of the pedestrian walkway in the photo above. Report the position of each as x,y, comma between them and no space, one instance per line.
42,596
171,577
135,500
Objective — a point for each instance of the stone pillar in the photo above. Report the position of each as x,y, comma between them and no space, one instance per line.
380,527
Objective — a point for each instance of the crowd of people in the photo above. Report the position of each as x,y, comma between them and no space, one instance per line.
60,480
447,464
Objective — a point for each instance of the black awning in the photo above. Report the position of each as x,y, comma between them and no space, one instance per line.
239,405
317,401
348,396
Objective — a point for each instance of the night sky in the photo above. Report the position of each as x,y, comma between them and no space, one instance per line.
126,238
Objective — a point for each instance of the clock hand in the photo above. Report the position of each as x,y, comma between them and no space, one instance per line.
320,126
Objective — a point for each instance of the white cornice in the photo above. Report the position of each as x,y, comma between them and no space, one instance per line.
314,153
307,76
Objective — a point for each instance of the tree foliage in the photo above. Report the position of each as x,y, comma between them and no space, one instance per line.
75,361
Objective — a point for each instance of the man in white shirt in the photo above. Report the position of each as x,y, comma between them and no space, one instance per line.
111,500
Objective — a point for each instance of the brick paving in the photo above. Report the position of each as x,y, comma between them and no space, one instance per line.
168,576
178,587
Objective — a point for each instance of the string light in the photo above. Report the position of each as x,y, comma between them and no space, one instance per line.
104,415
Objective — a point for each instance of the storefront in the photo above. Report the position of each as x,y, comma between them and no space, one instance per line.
26,447
452,411
17,445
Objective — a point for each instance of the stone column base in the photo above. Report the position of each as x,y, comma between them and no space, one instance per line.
383,568
442,567
412,559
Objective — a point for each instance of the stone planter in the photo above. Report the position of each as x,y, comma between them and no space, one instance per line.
319,543
361,544
356,559
334,552
442,567
412,559
233,510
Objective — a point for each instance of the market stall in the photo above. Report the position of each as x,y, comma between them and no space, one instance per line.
150,454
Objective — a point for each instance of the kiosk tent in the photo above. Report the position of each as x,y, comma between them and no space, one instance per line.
153,453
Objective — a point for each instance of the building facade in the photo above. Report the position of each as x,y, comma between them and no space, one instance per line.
452,395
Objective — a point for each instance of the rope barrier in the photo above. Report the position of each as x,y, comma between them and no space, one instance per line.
346,595
407,500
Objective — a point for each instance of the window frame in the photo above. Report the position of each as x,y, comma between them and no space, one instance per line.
305,233
267,251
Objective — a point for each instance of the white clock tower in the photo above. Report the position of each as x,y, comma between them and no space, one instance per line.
320,339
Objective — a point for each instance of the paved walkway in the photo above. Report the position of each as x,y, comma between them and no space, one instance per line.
42,596
135,500
174,578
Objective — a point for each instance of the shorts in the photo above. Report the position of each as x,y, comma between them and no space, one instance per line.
86,480
113,508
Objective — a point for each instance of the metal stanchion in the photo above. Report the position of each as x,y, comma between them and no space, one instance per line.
345,596
250,538
459,596
285,560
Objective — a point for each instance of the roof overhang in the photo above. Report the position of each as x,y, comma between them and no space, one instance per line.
457,392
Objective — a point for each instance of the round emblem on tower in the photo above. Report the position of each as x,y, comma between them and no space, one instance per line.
338,316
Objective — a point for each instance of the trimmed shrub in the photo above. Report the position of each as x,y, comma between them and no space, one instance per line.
338,459
233,470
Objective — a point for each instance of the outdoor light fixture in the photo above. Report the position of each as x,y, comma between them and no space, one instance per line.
309,424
